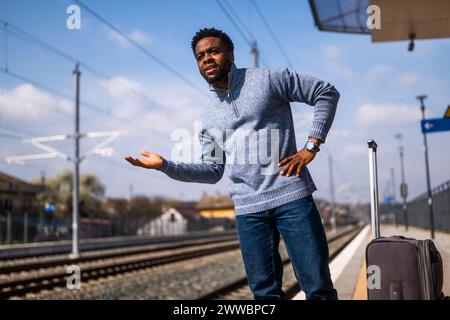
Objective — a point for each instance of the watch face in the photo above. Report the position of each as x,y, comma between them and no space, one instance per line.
310,145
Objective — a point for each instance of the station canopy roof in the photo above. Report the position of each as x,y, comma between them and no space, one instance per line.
425,19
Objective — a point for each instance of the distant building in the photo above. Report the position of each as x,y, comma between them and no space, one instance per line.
16,196
18,208
171,222
216,206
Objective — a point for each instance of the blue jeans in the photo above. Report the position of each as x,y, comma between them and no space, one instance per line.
301,228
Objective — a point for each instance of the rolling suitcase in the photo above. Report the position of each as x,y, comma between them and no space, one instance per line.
399,268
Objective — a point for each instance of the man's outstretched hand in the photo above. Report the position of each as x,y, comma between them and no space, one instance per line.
151,160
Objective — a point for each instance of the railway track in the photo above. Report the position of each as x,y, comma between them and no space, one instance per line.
239,289
48,250
26,264
93,267
52,274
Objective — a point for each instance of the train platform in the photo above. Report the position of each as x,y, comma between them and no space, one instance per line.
348,269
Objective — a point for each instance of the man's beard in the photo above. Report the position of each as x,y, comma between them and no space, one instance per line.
218,77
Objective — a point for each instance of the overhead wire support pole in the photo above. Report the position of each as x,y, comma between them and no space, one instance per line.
427,167
333,201
76,160
394,200
5,26
404,190
247,35
255,54
403,185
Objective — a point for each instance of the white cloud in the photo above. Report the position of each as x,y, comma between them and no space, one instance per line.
119,86
342,71
332,52
355,150
126,97
377,72
332,55
382,73
141,37
29,105
338,134
405,79
386,114
303,119
159,110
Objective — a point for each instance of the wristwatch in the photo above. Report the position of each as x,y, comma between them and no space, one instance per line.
311,146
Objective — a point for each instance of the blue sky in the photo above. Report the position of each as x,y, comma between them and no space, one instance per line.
378,85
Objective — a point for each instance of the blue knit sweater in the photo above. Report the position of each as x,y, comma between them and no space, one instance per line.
247,129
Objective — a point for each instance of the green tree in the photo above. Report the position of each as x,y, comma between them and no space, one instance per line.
58,191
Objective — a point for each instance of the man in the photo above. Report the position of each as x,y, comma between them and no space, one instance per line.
269,199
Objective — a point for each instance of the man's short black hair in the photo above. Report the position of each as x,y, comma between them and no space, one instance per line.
211,32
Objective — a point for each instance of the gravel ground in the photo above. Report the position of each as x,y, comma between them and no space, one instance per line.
95,263
180,280
100,252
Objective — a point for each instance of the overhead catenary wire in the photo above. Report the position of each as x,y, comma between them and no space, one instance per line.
38,42
251,43
244,36
5,26
23,35
11,128
82,103
33,40
141,48
230,7
9,136
35,83
272,34
61,112
239,20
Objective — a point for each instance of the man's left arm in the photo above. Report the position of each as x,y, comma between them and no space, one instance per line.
293,87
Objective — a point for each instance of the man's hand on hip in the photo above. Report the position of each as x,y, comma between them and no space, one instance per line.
151,161
296,162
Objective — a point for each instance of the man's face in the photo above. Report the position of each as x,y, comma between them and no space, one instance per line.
213,58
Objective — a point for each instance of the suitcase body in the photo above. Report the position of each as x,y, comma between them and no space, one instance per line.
399,268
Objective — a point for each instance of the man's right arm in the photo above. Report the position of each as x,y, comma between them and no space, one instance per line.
210,170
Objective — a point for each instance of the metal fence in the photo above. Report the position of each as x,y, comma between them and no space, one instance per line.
418,212
21,228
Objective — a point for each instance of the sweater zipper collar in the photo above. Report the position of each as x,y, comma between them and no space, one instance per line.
229,92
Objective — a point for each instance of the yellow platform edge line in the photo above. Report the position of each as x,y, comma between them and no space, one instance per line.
360,292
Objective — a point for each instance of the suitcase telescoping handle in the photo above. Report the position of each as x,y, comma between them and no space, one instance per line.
373,189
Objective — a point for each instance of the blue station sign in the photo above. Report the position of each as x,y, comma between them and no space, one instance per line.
435,125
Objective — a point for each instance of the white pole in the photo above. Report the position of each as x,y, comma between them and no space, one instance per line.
333,201
76,175
373,189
